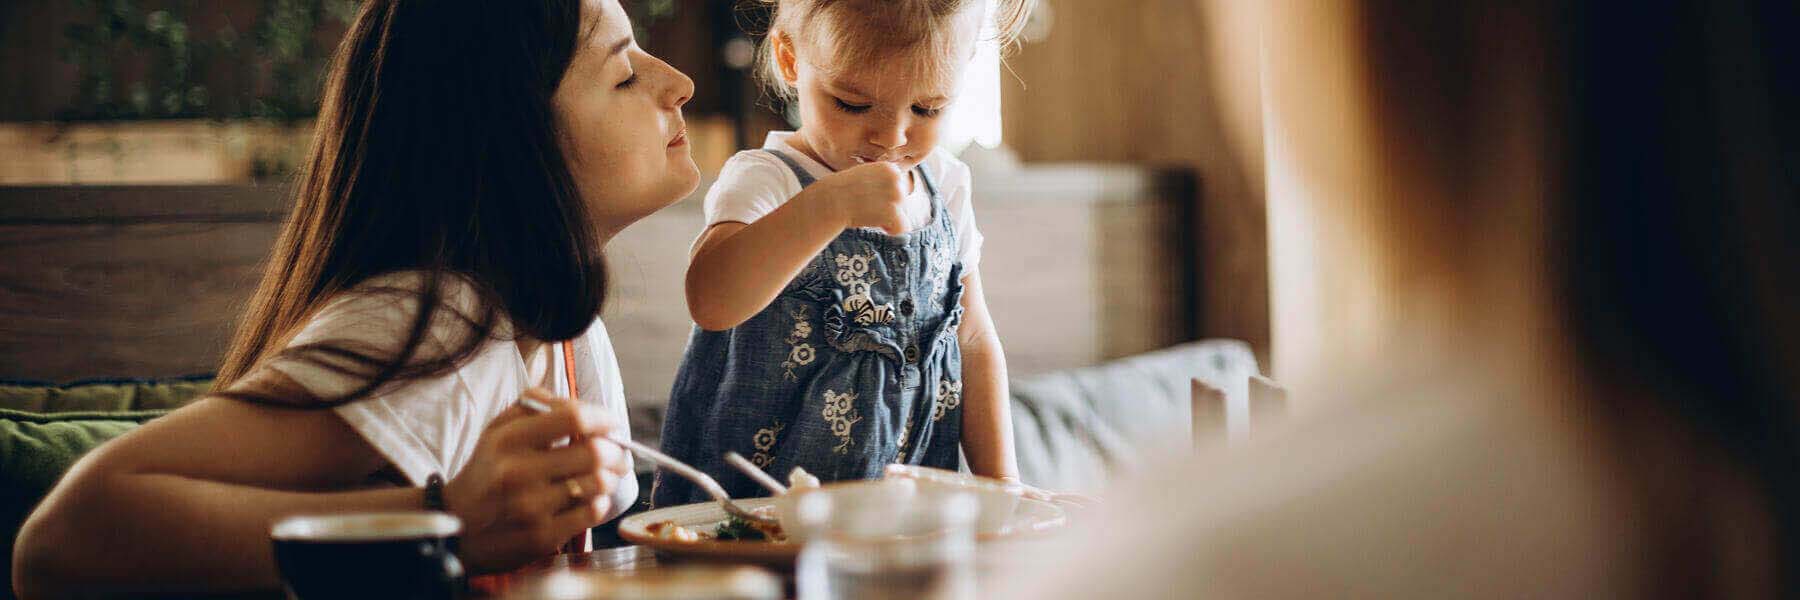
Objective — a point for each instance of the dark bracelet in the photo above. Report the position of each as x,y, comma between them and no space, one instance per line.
434,493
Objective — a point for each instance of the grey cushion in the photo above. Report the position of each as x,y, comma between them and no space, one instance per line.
1072,427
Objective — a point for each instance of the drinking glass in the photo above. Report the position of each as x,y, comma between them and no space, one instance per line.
888,539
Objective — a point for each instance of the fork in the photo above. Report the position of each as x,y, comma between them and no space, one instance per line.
690,473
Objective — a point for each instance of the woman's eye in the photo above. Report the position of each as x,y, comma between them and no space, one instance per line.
929,113
628,82
855,109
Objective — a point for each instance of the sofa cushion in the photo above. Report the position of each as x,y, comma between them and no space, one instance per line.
35,450
1071,428
112,395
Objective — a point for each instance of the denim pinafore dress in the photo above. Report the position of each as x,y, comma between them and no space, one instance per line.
854,366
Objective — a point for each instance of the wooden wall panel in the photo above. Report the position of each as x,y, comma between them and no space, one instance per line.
148,281
1130,81
91,300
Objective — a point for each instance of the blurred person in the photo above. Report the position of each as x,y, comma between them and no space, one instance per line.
1535,269
442,258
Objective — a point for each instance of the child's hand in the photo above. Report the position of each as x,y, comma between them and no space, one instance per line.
867,195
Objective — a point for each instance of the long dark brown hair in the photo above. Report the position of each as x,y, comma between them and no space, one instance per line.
436,152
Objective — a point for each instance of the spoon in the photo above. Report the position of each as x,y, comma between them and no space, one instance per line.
756,474
690,473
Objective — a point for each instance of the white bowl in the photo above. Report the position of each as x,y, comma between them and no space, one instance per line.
998,499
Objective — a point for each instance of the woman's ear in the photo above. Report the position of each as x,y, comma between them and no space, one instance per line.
784,57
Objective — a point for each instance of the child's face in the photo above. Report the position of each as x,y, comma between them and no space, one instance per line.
855,115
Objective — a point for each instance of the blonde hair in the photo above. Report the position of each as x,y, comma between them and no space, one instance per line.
860,32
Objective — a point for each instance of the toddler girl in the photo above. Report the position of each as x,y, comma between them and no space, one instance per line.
841,322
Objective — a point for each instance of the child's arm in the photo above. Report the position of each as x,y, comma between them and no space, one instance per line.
738,269
987,410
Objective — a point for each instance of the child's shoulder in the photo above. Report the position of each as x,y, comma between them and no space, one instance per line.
946,168
758,170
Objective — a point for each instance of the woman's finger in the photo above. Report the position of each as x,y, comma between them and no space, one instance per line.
565,419
585,515
512,413
578,458
596,422
542,502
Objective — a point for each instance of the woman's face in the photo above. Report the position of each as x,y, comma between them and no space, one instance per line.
620,113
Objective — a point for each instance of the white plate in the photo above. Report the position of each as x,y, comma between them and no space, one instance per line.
1032,517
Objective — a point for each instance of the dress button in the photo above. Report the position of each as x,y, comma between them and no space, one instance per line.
912,353
906,307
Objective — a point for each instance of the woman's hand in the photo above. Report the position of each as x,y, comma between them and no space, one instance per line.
522,496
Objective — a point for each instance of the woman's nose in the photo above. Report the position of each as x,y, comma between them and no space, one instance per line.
680,88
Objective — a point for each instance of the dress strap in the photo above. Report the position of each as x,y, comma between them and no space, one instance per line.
930,182
806,178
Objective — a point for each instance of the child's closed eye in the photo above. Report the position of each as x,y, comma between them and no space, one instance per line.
929,113
855,109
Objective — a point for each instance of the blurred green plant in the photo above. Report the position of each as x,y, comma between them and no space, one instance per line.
273,61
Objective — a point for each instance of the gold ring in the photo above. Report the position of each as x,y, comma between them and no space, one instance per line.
574,487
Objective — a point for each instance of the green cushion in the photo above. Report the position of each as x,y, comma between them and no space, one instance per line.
35,450
108,396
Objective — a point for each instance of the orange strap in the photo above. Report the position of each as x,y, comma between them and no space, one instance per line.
568,352
584,541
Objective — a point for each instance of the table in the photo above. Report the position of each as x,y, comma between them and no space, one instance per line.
609,560
993,558
624,558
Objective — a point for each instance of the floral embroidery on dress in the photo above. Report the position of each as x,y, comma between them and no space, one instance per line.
764,441
858,282
853,268
949,397
840,412
800,353
941,259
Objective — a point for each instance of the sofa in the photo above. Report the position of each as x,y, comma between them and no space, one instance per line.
1071,427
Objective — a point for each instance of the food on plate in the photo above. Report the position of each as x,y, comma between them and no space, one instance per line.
734,529
799,478
668,530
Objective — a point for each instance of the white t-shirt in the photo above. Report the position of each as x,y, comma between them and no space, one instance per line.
753,184
431,425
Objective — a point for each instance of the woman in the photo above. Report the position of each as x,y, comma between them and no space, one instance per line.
1535,268
471,160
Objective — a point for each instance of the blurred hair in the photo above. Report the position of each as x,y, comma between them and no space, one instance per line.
1669,152
435,151
850,34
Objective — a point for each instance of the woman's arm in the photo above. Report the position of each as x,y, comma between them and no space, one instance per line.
738,269
184,503
189,498
987,410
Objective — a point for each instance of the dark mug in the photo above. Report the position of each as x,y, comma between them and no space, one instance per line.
407,555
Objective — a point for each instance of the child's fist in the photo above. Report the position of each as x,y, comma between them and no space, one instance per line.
868,195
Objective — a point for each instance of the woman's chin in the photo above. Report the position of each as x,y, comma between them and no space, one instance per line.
687,176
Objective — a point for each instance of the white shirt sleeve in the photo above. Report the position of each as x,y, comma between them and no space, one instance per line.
751,185
421,425
959,197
